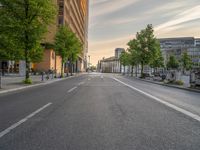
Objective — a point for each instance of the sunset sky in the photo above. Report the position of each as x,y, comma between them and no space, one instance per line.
114,22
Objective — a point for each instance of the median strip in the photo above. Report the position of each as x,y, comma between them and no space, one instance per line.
12,127
194,116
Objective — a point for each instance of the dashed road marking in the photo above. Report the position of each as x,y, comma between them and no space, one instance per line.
12,127
72,89
81,83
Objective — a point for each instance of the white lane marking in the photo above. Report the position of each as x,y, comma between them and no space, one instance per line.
12,127
81,83
194,116
72,89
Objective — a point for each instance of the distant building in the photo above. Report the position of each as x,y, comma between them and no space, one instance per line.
111,64
197,42
118,52
177,46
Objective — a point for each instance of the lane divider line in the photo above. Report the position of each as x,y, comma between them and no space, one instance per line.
12,127
72,89
187,113
81,83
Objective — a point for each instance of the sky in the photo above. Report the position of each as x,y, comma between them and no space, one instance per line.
112,23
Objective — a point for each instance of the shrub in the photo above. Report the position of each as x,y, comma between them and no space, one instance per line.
27,81
179,82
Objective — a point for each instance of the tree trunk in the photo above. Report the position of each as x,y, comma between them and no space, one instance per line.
132,71
124,69
62,70
142,70
27,65
136,70
71,66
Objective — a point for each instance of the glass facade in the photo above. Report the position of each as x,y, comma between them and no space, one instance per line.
177,46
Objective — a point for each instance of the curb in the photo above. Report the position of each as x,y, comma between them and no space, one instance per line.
163,84
36,85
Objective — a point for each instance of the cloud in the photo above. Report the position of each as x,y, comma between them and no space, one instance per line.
111,22
186,16
99,2
114,22
108,6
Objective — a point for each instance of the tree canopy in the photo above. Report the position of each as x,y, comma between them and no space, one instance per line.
186,61
23,24
124,58
67,45
172,63
145,49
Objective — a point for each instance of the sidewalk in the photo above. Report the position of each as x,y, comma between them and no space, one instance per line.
14,83
164,84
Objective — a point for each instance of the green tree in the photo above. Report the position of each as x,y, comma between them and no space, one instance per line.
67,45
25,23
8,50
147,47
125,59
186,61
75,50
158,60
172,63
133,58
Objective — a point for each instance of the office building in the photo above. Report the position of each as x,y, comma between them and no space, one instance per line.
72,13
177,46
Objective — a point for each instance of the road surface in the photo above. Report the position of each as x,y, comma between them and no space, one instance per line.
100,112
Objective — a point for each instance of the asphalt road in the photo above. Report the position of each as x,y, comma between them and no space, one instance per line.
97,112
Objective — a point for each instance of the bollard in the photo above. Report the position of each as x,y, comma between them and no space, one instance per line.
52,77
0,80
42,76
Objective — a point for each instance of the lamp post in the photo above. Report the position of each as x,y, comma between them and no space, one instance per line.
89,62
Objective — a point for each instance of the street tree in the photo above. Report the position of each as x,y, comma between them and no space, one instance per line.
186,62
25,22
133,52
8,50
125,59
172,63
157,61
75,50
147,48
67,45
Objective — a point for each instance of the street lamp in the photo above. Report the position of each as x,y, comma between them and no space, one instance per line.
89,61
